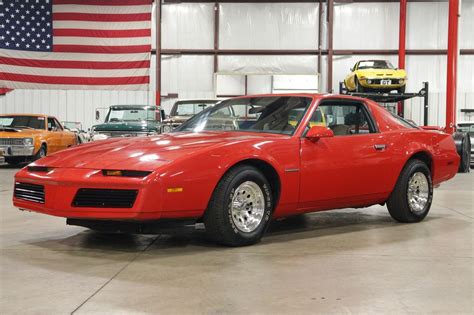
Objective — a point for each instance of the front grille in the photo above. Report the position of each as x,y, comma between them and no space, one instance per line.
29,192
11,141
105,198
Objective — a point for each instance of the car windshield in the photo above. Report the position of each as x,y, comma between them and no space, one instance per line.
276,114
375,64
72,125
463,127
190,108
22,122
130,114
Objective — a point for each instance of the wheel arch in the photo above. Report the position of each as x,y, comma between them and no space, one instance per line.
424,156
267,170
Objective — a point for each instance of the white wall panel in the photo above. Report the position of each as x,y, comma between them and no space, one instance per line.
366,25
269,64
268,26
466,26
427,25
188,25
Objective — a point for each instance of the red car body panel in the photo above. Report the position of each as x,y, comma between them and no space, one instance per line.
337,172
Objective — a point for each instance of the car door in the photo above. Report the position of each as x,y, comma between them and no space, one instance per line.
54,136
347,169
67,137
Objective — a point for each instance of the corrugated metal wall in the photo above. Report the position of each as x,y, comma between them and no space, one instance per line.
285,26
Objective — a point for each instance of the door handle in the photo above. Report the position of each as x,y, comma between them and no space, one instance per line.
380,147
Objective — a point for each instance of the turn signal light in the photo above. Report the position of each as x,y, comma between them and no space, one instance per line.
125,173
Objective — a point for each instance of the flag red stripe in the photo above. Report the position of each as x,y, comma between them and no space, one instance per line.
102,49
71,16
76,32
41,79
68,64
103,2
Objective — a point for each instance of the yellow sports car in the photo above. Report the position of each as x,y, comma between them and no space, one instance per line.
375,76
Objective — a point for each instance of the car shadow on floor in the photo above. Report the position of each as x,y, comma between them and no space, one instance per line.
300,227
11,166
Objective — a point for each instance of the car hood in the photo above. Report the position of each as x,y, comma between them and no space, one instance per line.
382,73
146,153
20,133
126,126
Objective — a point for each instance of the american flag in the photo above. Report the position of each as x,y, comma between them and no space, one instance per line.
75,44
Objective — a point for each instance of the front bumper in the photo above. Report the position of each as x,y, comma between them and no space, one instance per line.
61,185
17,150
103,135
376,83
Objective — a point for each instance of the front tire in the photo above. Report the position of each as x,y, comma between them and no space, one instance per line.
41,153
411,199
240,208
359,88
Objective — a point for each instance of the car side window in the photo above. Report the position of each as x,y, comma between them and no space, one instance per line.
52,124
344,119
58,125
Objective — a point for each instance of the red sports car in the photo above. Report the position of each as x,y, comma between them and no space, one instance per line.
244,161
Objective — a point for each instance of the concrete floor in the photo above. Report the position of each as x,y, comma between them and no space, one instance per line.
346,261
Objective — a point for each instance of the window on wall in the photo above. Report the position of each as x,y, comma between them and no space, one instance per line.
343,119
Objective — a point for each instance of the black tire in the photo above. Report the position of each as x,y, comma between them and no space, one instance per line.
398,204
41,153
401,90
465,154
359,88
219,220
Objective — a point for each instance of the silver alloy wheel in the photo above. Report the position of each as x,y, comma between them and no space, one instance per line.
248,206
418,192
42,153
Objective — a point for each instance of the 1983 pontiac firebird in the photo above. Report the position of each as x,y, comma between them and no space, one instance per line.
247,160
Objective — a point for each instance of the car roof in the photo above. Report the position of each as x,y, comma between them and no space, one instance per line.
34,115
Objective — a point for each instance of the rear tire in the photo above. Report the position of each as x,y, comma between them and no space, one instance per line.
465,154
240,208
411,199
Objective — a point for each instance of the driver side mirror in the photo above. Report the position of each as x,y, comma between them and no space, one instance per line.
97,115
318,132
352,69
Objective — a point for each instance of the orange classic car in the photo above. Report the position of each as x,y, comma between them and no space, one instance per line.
25,137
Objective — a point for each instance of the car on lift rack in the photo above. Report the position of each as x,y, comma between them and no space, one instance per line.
244,161
375,76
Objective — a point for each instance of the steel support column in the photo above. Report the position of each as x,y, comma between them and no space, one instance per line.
451,70
402,26
216,35
158,53
330,18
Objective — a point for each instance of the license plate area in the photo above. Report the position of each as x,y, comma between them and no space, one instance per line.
385,82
